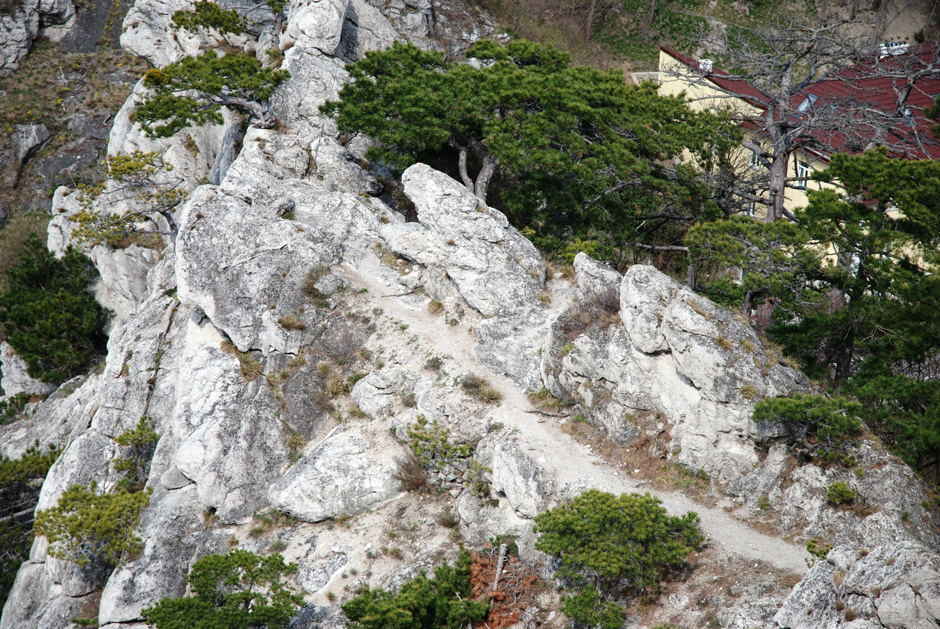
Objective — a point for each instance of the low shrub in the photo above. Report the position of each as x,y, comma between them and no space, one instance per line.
478,388
86,525
839,493
610,546
236,590
444,602
410,473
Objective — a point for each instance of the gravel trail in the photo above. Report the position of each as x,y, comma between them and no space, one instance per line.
560,456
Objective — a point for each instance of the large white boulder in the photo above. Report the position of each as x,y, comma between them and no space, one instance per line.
14,378
495,268
343,475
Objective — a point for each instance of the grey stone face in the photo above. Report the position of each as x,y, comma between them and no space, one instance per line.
893,586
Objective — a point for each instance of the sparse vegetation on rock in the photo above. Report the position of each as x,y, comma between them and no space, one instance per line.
237,590
88,526
145,185
20,481
818,427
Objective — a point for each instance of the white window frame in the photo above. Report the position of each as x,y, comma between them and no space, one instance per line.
803,171
755,159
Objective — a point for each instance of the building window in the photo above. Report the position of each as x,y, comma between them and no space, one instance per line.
802,173
750,206
755,159
807,103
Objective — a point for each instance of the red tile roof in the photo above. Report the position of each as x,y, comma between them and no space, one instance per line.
871,84
723,80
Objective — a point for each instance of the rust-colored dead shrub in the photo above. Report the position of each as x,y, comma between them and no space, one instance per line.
514,591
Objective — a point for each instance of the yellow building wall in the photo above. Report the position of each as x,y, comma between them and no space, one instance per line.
676,78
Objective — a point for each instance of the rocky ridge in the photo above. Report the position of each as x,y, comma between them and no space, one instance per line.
252,413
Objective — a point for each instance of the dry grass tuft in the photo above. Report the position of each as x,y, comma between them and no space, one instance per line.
291,322
478,388
435,307
410,474
249,367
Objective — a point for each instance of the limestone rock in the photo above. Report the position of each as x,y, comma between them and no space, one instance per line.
480,521
231,442
893,586
20,25
510,344
29,603
226,154
677,357
344,474
13,376
494,267
237,282
594,278
886,482
17,148
315,25
97,127
147,33
173,520
16,36
122,282
515,474
314,79
375,394
365,29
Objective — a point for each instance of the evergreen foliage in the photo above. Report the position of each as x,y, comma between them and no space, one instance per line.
588,608
194,89
143,185
839,493
573,152
819,428
12,407
207,14
905,412
88,526
48,315
140,443
610,546
236,590
444,602
854,284
20,482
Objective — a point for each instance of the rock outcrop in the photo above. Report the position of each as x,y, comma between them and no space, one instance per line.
894,586
467,251
342,476
287,344
670,354
20,25
14,378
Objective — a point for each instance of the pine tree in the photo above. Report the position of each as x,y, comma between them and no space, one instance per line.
571,152
48,315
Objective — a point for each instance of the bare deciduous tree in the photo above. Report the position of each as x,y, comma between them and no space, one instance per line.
817,88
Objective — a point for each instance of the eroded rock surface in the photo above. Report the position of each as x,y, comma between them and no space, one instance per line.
343,475
895,585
